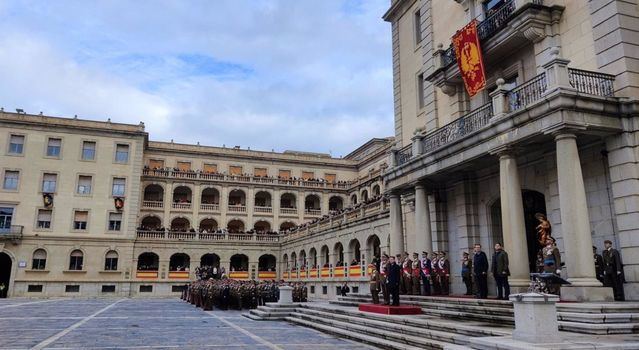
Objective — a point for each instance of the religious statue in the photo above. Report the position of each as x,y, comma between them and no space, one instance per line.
544,230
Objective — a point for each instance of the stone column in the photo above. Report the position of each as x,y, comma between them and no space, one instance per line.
423,235
513,224
396,227
575,225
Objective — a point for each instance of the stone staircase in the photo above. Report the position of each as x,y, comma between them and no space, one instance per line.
587,318
272,311
382,331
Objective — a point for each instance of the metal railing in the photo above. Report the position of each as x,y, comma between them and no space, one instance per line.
168,173
592,83
528,93
200,236
458,129
487,28
404,154
13,232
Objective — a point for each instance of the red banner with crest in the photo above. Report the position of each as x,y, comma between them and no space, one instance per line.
469,58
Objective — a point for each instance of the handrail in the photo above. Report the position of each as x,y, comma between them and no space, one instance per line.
458,129
12,232
212,236
404,154
593,83
528,93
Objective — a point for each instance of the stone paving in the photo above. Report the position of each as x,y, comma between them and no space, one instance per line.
146,324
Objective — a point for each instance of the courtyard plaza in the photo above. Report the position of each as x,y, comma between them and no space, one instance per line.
146,324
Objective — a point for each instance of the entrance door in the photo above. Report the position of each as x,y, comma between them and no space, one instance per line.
5,274
534,202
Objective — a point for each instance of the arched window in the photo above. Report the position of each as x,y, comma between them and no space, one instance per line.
354,199
39,260
239,262
179,262
111,261
148,262
266,262
76,260
153,193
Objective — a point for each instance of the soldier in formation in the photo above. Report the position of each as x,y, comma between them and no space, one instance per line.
416,274
374,283
425,272
227,293
613,270
466,273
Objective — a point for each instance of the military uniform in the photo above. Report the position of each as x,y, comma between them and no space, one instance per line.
613,272
444,274
407,276
415,275
374,284
599,265
425,272
382,280
437,289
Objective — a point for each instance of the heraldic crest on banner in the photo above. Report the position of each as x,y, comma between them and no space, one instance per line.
469,58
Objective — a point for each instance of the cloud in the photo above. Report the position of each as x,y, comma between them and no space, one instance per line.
304,75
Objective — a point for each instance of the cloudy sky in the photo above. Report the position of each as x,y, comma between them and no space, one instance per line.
266,74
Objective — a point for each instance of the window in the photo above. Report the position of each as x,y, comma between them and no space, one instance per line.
80,218
330,178
6,214
121,153
312,289
34,288
72,288
178,288
111,261
156,164
108,288
261,172
235,170
115,221
16,144
420,90
11,178
418,27
184,166
306,175
210,168
146,289
44,218
88,150
49,183
119,185
76,260
84,184
53,147
39,260
325,290
285,174
490,6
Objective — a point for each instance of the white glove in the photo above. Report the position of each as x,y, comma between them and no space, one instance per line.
558,272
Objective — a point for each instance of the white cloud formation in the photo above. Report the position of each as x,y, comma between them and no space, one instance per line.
304,75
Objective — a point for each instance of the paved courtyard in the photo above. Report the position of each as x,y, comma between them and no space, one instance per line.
146,324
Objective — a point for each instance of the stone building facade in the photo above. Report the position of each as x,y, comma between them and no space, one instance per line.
95,208
554,132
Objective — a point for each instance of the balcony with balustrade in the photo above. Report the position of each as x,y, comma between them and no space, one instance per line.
506,29
221,237
559,97
11,233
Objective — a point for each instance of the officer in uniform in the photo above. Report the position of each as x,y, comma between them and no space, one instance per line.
552,262
416,275
425,272
374,283
444,274
613,270
392,280
437,289
382,278
407,276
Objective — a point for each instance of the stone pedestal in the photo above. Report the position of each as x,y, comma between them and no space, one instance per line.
286,295
535,318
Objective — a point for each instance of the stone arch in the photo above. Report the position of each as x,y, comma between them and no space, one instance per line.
335,203
154,192
302,258
377,190
180,224
312,202
182,194
210,259
267,262
353,199
286,225
208,224
150,222
312,256
338,252
237,197
288,200
262,226
263,199
354,248
325,256
373,247
235,226
239,262
148,261
210,195
364,195
180,262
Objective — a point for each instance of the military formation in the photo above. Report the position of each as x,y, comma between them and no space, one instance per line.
227,293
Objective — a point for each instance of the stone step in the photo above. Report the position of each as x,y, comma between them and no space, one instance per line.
420,342
418,321
599,328
444,299
392,327
469,316
598,318
599,308
363,338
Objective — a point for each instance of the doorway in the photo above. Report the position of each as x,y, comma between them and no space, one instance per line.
5,274
534,202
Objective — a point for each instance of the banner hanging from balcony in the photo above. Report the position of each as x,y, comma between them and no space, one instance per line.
469,58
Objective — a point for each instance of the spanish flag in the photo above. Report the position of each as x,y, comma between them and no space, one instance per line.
469,58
